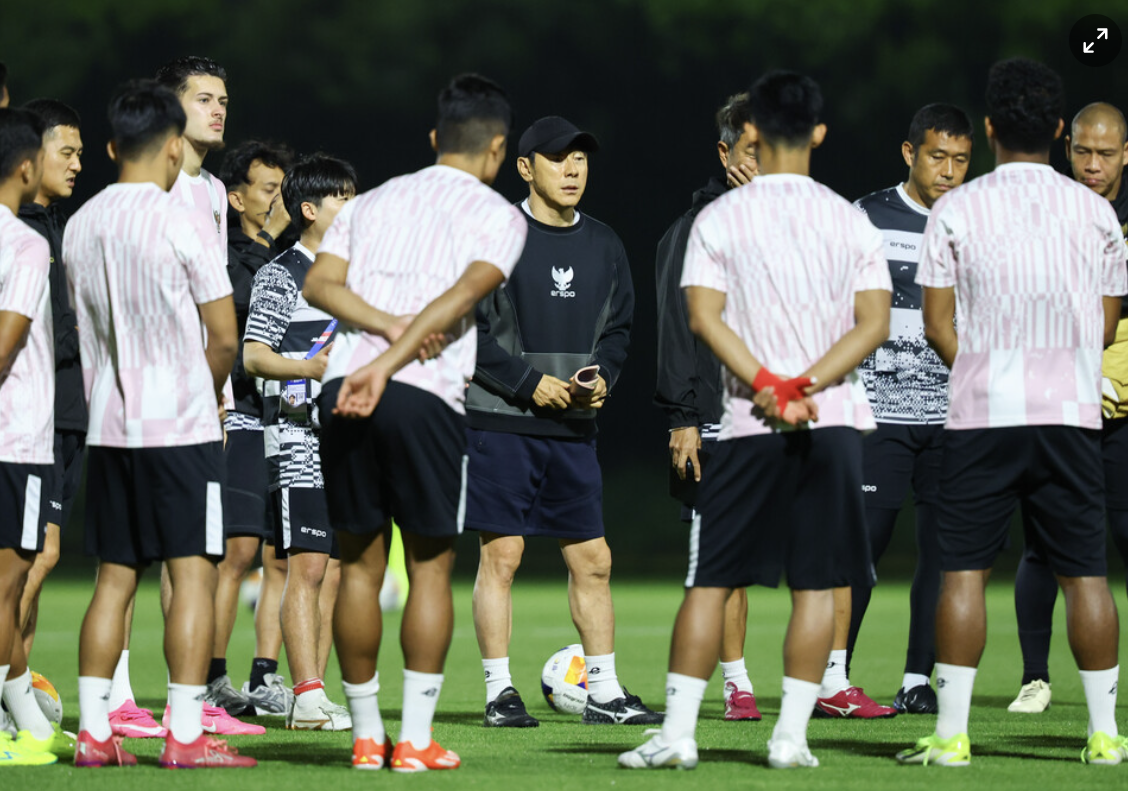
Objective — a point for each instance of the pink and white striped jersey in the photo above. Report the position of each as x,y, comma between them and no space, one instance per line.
138,264
1030,253
408,241
27,392
790,254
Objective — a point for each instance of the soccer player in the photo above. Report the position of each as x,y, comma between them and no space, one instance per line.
533,469
1036,263
1097,152
907,385
393,440
27,384
781,275
253,174
142,267
62,162
689,381
289,365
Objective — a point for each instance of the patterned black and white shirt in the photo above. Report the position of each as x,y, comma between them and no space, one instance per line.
905,380
281,318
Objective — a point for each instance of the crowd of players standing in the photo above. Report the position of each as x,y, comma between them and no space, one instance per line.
372,295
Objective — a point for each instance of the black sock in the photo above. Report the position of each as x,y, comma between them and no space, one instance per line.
217,668
1035,590
259,668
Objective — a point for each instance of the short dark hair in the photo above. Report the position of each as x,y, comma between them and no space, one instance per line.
312,179
785,107
472,110
941,119
237,164
143,113
1025,102
732,117
54,113
21,137
175,73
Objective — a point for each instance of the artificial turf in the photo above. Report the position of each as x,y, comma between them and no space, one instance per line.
1009,750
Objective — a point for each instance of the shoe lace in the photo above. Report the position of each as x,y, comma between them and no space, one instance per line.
1029,692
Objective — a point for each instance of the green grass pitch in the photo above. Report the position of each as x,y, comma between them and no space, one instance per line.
1009,751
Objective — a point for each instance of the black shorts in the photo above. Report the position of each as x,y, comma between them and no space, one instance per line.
896,457
519,485
1053,472
147,504
25,495
406,461
302,522
245,495
788,503
69,453
1114,452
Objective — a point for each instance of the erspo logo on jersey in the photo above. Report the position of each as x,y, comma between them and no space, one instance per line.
563,280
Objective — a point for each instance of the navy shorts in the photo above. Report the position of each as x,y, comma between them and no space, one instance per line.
1053,472
406,461
897,457
533,486
245,496
149,504
70,449
302,522
25,494
782,504
1114,452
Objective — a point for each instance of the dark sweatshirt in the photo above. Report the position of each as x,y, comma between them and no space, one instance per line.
568,303
245,257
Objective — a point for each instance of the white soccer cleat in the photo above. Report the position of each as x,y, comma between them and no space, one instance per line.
786,754
1033,698
682,754
320,714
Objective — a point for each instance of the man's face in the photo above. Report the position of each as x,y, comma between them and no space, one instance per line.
259,195
205,104
1098,154
331,205
743,151
938,164
559,179
62,162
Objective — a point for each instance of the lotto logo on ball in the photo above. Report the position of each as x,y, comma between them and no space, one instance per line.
47,697
564,680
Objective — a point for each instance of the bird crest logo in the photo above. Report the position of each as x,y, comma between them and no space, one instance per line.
563,280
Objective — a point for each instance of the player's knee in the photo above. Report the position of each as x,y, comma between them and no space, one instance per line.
501,559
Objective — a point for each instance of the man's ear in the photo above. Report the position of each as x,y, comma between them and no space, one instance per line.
818,135
525,169
309,211
236,200
723,153
434,138
908,153
111,151
1060,129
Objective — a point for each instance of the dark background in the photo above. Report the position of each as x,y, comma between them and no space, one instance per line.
358,78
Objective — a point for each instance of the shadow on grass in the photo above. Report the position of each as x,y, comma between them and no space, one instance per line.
713,756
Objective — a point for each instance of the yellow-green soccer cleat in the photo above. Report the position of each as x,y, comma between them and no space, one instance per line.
955,751
16,752
1105,750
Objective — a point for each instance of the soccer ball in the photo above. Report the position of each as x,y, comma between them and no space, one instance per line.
564,680
251,588
47,697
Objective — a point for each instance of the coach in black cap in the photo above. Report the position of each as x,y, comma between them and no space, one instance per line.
551,344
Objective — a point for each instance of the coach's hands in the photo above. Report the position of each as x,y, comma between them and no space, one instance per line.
552,393
583,398
433,344
741,174
684,444
793,413
277,219
360,392
315,366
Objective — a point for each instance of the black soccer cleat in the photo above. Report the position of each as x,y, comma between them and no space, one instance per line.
627,710
918,700
507,710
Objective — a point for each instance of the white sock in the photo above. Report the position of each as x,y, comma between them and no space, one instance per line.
5,722
834,679
603,683
497,677
420,697
23,707
1100,694
953,694
683,702
736,673
120,688
913,680
186,711
795,709
365,710
94,707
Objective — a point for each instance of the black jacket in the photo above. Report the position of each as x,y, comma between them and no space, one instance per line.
1120,205
688,390
245,257
568,303
70,397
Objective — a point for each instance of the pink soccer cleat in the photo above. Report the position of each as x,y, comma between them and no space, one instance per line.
740,705
88,752
132,722
854,703
216,720
206,752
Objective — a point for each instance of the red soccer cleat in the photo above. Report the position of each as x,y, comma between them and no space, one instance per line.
88,752
370,754
205,752
406,758
853,703
740,705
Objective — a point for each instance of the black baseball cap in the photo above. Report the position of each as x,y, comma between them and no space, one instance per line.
552,134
